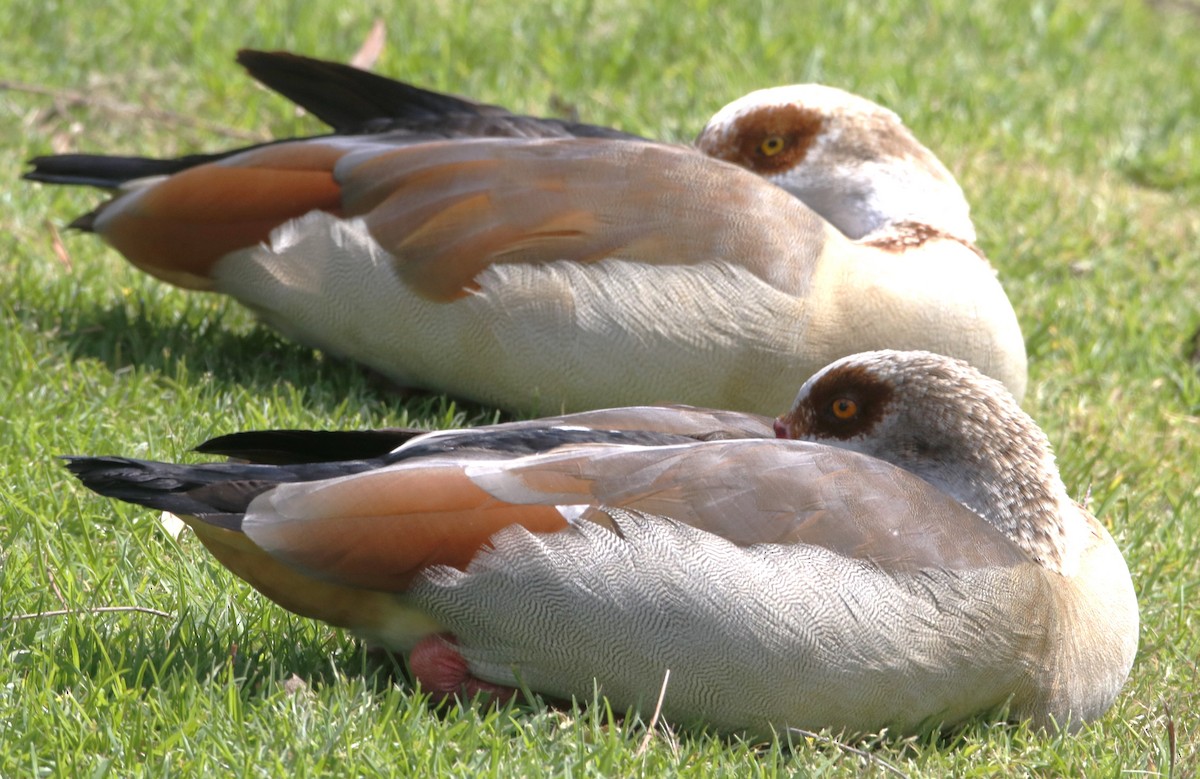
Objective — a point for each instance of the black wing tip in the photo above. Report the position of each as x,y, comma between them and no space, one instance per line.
214,495
248,56
111,171
355,101
59,169
106,469
83,464
113,477
85,222
349,98
255,59
299,447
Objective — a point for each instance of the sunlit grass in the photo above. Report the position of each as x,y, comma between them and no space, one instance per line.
1073,127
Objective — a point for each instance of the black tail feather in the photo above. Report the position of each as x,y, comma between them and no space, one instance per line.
292,447
105,172
194,490
350,100
354,101
375,448
346,97
214,492
86,222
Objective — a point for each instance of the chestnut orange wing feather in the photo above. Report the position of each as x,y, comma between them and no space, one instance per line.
338,604
379,529
177,228
447,210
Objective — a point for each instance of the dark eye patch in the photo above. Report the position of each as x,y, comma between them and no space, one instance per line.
871,394
795,126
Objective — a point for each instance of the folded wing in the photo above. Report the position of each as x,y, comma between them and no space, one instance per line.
380,528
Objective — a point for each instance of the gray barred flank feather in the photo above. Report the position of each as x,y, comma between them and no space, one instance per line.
735,649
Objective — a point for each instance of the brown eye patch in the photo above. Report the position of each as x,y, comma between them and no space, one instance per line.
774,138
844,403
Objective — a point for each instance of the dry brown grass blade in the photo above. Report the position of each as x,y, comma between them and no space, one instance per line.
70,96
59,248
869,758
54,585
653,723
1171,745
372,46
96,610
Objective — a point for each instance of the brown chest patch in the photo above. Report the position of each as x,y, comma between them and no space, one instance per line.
903,236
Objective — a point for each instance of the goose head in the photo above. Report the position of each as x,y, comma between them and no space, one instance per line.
959,430
849,159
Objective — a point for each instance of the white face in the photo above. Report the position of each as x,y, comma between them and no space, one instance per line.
850,160
916,410
822,99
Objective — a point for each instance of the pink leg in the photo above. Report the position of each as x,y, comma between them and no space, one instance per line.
443,672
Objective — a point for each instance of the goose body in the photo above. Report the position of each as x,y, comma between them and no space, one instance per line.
565,267
908,559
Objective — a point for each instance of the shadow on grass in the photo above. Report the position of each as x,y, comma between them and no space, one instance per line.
259,659
204,655
192,345
260,662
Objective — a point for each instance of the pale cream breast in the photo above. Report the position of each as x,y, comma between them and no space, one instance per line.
553,336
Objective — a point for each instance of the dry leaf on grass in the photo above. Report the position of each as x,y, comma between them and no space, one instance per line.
372,46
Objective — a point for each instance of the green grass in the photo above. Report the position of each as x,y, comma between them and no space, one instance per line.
1074,127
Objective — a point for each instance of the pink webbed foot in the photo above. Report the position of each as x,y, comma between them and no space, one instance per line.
437,665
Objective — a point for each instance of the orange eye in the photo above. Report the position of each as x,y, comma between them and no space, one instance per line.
771,145
844,408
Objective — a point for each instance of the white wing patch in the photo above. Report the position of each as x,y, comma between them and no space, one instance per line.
574,514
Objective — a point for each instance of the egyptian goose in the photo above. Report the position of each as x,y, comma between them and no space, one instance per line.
580,272
909,559
768,131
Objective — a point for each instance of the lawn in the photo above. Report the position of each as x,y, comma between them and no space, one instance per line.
1074,128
